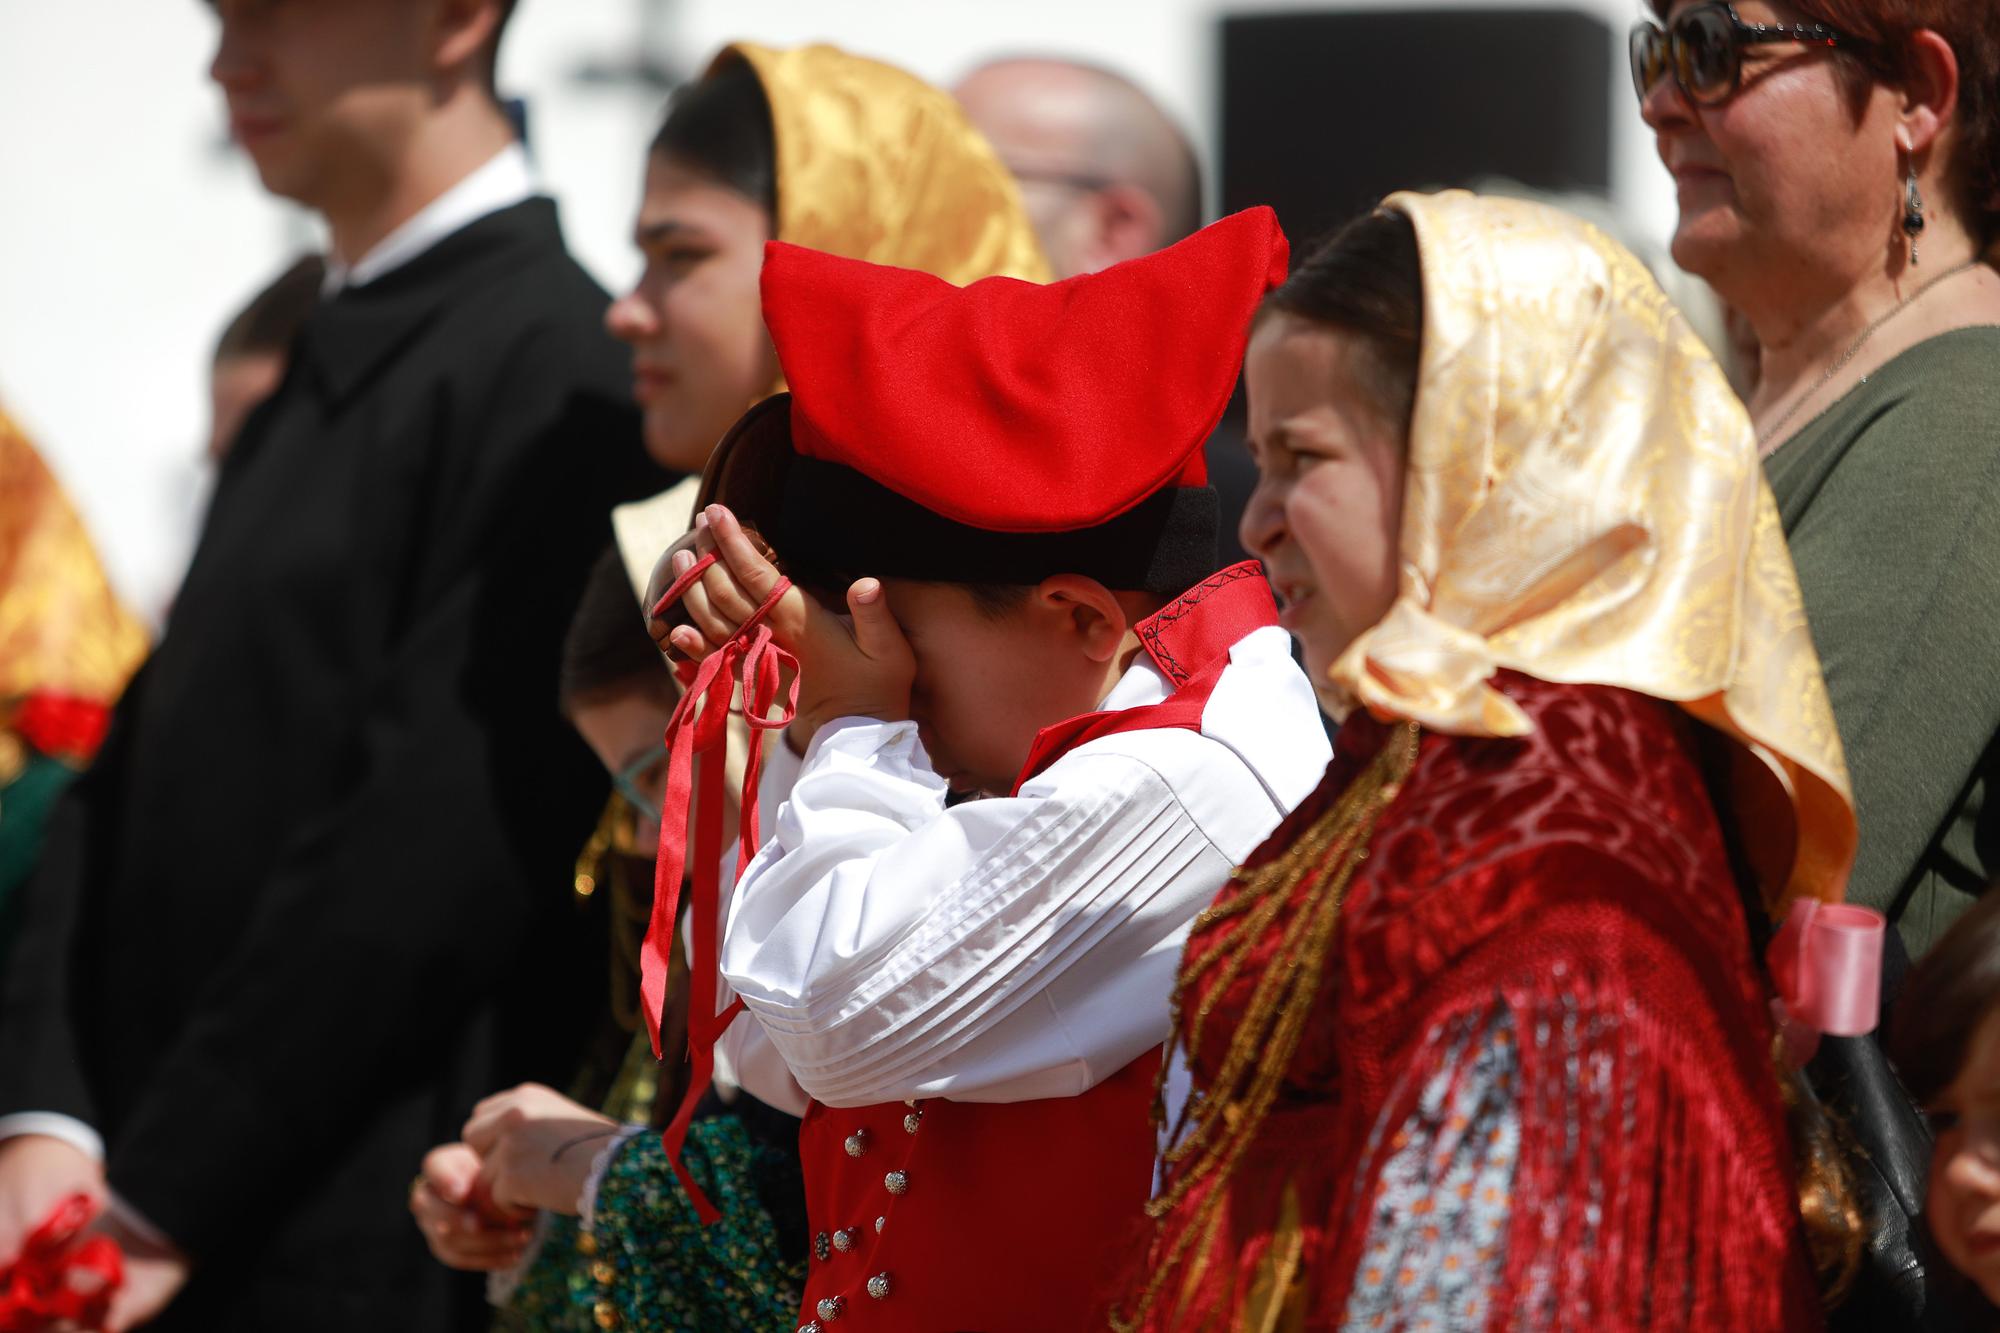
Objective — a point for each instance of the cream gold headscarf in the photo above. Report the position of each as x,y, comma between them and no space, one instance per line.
1585,504
876,164
62,630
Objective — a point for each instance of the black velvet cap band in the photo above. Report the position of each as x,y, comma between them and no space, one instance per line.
835,523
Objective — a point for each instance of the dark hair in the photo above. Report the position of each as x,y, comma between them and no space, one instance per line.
720,126
1367,278
1946,997
1972,27
997,601
271,322
607,648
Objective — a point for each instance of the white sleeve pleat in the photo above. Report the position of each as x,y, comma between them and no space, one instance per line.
998,950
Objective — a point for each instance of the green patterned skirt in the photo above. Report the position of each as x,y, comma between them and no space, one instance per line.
647,1264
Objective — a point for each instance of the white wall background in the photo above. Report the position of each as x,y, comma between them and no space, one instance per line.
130,232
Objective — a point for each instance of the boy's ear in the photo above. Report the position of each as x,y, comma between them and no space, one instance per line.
463,31
1091,611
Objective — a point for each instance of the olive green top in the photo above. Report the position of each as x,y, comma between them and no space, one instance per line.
1891,501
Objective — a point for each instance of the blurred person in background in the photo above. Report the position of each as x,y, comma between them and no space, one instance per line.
259,963
1838,170
1106,175
253,353
846,155
1946,1044
250,361
67,647
637,1250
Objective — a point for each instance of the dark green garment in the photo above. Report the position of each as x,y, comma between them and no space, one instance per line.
1891,502
648,1265
25,804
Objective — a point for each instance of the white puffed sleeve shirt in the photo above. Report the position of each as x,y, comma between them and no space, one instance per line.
1006,949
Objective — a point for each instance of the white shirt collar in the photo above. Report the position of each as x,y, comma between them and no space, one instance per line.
1143,683
503,181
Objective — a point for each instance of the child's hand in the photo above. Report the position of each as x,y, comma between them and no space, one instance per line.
854,666
446,1201
535,1147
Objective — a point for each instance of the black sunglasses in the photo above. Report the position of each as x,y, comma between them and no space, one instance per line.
1702,48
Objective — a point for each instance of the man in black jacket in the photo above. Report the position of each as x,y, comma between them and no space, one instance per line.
263,955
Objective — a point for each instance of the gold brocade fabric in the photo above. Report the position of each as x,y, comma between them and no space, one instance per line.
62,630
876,164
1585,504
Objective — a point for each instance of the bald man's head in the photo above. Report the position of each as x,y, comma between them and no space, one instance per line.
1105,173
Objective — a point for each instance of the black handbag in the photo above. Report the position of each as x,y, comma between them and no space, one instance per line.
1904,1283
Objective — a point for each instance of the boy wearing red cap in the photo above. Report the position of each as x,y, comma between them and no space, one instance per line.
973,992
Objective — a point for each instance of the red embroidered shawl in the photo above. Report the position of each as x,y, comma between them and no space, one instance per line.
1573,886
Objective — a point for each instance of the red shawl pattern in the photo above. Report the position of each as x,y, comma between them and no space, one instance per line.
1568,894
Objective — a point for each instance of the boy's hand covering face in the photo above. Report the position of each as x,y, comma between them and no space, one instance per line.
858,665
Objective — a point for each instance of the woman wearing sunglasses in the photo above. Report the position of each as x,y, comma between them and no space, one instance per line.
1838,170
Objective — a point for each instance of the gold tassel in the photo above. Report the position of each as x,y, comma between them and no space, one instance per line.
1276,1301
590,861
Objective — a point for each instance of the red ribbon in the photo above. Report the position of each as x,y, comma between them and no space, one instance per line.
699,728
1826,966
38,1291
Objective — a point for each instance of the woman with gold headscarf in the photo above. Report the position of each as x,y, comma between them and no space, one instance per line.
1478,1038
839,153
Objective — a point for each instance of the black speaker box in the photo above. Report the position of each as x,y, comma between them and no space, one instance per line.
1324,113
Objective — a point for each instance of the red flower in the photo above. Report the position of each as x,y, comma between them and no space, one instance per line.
62,725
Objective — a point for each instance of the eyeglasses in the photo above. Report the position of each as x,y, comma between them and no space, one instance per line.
626,780
1067,180
1703,50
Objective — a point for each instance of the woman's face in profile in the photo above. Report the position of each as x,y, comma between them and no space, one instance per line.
1964,1204
1790,175
694,320
1327,510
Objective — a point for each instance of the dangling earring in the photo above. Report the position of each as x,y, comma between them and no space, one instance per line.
1913,213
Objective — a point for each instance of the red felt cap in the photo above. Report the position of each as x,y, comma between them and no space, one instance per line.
1013,406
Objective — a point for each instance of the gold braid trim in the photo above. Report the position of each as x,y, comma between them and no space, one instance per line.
1221,1121
590,862
613,861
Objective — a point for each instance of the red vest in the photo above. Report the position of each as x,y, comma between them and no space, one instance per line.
1009,1217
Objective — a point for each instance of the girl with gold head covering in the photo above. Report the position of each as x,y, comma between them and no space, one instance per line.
841,154
1478,1039
817,148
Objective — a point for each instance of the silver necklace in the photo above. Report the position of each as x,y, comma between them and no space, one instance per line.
1854,349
